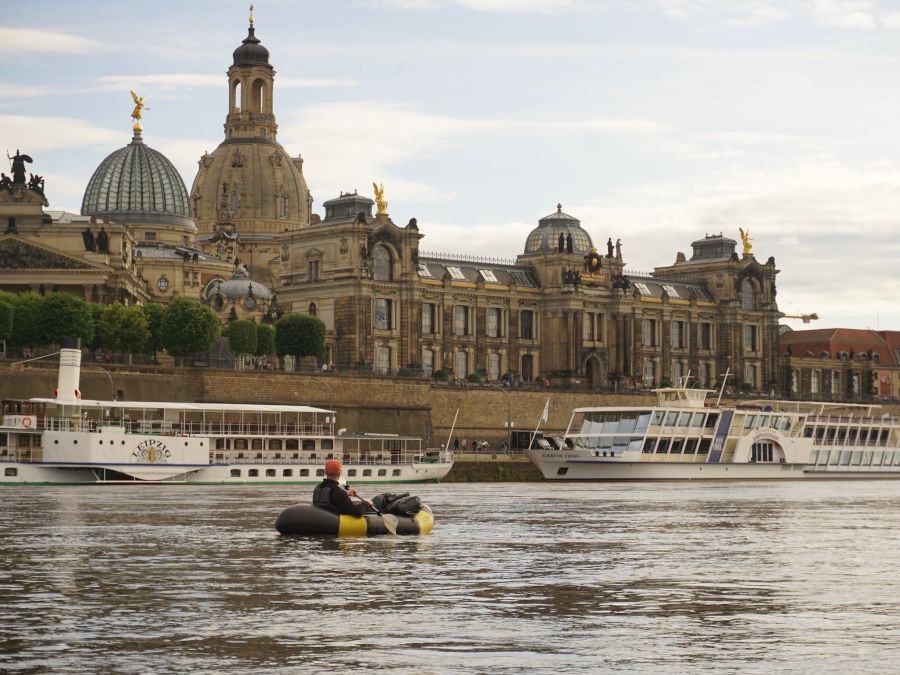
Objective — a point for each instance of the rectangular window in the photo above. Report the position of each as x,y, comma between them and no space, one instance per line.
427,318
424,271
461,320
814,382
383,308
704,336
383,363
704,374
649,373
493,322
676,373
526,317
427,362
587,327
312,270
649,332
671,291
677,334
643,288
493,366
456,273
750,338
489,277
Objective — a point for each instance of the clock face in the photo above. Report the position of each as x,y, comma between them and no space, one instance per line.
151,451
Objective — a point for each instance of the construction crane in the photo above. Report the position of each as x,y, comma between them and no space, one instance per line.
806,317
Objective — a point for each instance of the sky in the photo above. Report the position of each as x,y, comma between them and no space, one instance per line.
654,121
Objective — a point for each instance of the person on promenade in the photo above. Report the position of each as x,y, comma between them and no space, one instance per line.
330,495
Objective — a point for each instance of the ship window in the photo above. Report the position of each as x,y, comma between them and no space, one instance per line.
691,446
697,420
270,473
611,423
309,445
704,446
684,420
11,471
896,458
852,436
626,424
351,473
642,421
395,472
807,432
873,437
256,444
275,444
841,436
382,472
711,420
291,444
320,472
845,458
287,473
749,421
253,473
235,473
663,446
820,435
856,457
648,444
676,446
634,445
657,418
670,418
240,443
367,472
304,472
882,457
830,433
885,433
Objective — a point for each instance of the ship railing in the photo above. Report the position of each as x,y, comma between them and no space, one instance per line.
320,457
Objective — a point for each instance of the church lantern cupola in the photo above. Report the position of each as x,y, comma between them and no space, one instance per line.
250,85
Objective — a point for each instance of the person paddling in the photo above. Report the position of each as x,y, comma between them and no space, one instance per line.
330,495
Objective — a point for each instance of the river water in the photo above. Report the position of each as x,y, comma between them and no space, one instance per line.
525,577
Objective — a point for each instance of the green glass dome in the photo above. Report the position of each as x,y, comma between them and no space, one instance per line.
139,184
545,237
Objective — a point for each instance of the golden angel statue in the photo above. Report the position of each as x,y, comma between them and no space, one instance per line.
136,113
379,198
745,237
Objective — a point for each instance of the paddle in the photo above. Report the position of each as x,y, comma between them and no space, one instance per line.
390,520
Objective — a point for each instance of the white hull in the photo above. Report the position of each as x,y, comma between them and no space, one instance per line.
46,473
555,469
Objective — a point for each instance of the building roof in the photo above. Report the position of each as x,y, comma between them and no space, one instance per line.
251,52
165,251
239,287
138,184
848,343
652,287
470,271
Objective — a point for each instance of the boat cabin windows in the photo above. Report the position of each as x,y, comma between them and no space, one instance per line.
270,473
304,472
256,443
382,472
367,472
11,471
351,473
711,420
274,444
642,421
649,443
240,443
253,473
662,447
292,444
235,473
320,472
691,446
704,445
309,445
395,472
287,473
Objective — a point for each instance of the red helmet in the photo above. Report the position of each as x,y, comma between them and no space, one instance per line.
332,467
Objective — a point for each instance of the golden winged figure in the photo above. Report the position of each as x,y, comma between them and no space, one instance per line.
138,107
745,237
379,198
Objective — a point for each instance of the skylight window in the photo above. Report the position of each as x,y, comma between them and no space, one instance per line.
489,276
456,273
671,290
642,287
424,271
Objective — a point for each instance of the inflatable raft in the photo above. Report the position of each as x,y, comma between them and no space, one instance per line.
309,519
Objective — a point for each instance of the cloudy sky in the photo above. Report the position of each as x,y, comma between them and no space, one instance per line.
653,121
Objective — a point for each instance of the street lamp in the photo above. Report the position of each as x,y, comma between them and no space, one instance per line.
508,421
330,393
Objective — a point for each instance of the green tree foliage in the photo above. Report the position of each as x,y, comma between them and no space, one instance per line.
6,318
122,329
64,315
265,340
242,336
154,313
300,335
26,309
188,327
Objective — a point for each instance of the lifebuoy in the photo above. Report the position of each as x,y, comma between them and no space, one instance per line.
27,422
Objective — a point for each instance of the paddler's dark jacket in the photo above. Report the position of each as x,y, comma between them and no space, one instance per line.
330,495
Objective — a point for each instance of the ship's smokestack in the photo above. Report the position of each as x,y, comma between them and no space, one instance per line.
69,371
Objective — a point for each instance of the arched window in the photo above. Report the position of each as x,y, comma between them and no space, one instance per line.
381,264
748,295
649,373
493,366
256,99
312,309
235,206
236,96
427,362
384,360
282,206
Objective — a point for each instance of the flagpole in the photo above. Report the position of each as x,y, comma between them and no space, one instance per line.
544,417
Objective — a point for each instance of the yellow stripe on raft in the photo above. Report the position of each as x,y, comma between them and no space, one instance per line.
351,526
426,521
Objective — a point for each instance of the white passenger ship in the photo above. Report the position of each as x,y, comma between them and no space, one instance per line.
684,437
68,440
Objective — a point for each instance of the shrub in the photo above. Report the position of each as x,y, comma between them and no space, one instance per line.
441,375
474,377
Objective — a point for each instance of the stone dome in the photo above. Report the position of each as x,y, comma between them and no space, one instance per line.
139,184
241,286
251,52
545,237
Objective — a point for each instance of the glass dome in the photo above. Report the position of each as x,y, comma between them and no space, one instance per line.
139,184
545,237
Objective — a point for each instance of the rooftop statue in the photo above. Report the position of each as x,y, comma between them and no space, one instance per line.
18,166
379,198
136,113
745,237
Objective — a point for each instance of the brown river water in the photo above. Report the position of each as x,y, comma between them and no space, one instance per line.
515,578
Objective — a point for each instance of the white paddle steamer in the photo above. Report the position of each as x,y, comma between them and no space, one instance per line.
68,440
688,437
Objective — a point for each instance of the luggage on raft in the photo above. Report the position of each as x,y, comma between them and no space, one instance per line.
309,519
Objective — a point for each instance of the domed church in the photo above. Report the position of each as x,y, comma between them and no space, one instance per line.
249,190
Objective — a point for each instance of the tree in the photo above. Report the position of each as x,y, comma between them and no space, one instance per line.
300,335
265,340
242,336
188,327
26,309
154,312
64,315
6,319
123,329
